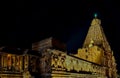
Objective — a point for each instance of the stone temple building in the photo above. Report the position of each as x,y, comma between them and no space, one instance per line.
49,58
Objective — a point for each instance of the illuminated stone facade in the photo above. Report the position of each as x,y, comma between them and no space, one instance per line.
49,59
97,50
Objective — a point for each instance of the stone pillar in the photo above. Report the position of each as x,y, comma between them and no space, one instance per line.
9,61
26,62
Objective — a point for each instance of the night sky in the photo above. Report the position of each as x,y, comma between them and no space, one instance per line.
67,21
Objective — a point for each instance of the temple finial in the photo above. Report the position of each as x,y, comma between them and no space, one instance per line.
95,15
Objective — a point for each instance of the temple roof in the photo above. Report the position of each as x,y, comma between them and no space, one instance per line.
96,34
49,43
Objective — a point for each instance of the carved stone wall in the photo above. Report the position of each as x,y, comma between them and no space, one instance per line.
61,62
93,54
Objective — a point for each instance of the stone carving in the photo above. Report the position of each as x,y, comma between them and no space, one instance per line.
32,65
58,60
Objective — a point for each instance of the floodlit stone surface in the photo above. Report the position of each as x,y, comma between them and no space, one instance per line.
94,60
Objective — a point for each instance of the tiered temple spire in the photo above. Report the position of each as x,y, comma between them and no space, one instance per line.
96,34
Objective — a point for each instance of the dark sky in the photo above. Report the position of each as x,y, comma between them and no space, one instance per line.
67,21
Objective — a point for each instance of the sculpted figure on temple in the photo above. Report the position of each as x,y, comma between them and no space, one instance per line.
91,43
63,61
55,60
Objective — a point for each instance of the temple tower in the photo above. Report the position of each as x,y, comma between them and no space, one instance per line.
96,34
97,37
